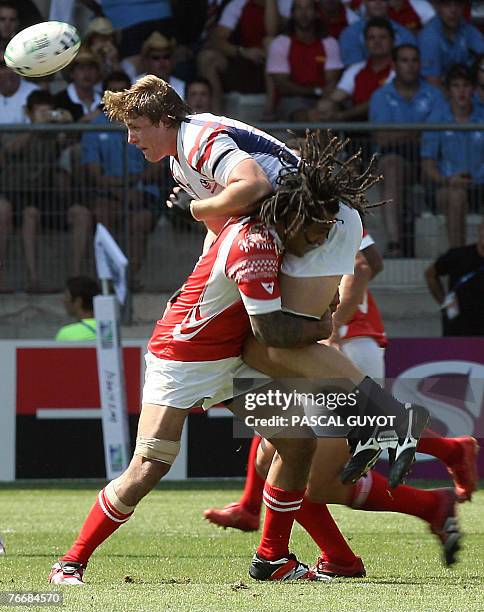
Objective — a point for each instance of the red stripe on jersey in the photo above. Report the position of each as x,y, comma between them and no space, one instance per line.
208,147
196,145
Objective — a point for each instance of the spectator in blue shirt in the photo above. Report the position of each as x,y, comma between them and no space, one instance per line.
478,73
447,40
407,99
454,160
103,159
352,38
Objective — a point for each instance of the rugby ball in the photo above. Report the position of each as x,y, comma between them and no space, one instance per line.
42,49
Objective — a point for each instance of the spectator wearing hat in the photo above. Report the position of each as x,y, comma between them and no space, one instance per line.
156,58
80,97
448,39
454,160
101,39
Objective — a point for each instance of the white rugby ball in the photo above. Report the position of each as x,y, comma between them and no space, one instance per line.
42,49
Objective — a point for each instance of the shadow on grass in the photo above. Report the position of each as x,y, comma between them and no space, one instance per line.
198,484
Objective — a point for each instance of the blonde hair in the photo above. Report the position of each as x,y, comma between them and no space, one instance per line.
149,97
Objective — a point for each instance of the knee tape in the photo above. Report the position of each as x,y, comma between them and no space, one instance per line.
159,450
114,500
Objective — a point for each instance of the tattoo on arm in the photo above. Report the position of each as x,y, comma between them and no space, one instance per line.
285,330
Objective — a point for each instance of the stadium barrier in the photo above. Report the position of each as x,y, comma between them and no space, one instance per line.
50,422
52,175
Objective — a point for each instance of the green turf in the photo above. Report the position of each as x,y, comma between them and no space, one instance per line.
168,558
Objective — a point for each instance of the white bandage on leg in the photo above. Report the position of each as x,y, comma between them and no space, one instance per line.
114,500
165,451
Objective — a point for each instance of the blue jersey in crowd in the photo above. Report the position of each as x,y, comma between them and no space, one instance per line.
352,40
107,150
388,106
438,52
456,152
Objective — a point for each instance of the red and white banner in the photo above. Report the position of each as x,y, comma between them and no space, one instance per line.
50,416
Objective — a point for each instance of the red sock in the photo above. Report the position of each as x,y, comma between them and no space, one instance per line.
103,520
447,450
318,522
281,509
251,498
373,493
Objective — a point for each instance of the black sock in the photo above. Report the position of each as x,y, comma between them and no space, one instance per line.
375,401
372,401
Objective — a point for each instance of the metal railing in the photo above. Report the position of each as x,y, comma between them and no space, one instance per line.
50,197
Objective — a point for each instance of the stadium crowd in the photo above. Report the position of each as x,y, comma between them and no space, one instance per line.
376,61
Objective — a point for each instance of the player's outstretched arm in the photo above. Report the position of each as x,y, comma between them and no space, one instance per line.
285,330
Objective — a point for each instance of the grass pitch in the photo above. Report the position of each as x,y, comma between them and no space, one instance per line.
168,558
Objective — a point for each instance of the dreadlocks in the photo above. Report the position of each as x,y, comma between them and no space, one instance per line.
312,192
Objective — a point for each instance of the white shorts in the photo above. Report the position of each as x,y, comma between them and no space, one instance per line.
184,384
365,353
336,256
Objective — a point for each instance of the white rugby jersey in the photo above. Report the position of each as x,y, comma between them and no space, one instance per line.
209,147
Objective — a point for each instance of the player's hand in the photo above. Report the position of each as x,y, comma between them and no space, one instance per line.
335,338
179,201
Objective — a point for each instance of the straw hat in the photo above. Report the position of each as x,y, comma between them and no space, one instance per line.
157,42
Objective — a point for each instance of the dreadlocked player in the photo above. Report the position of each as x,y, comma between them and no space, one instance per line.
229,166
